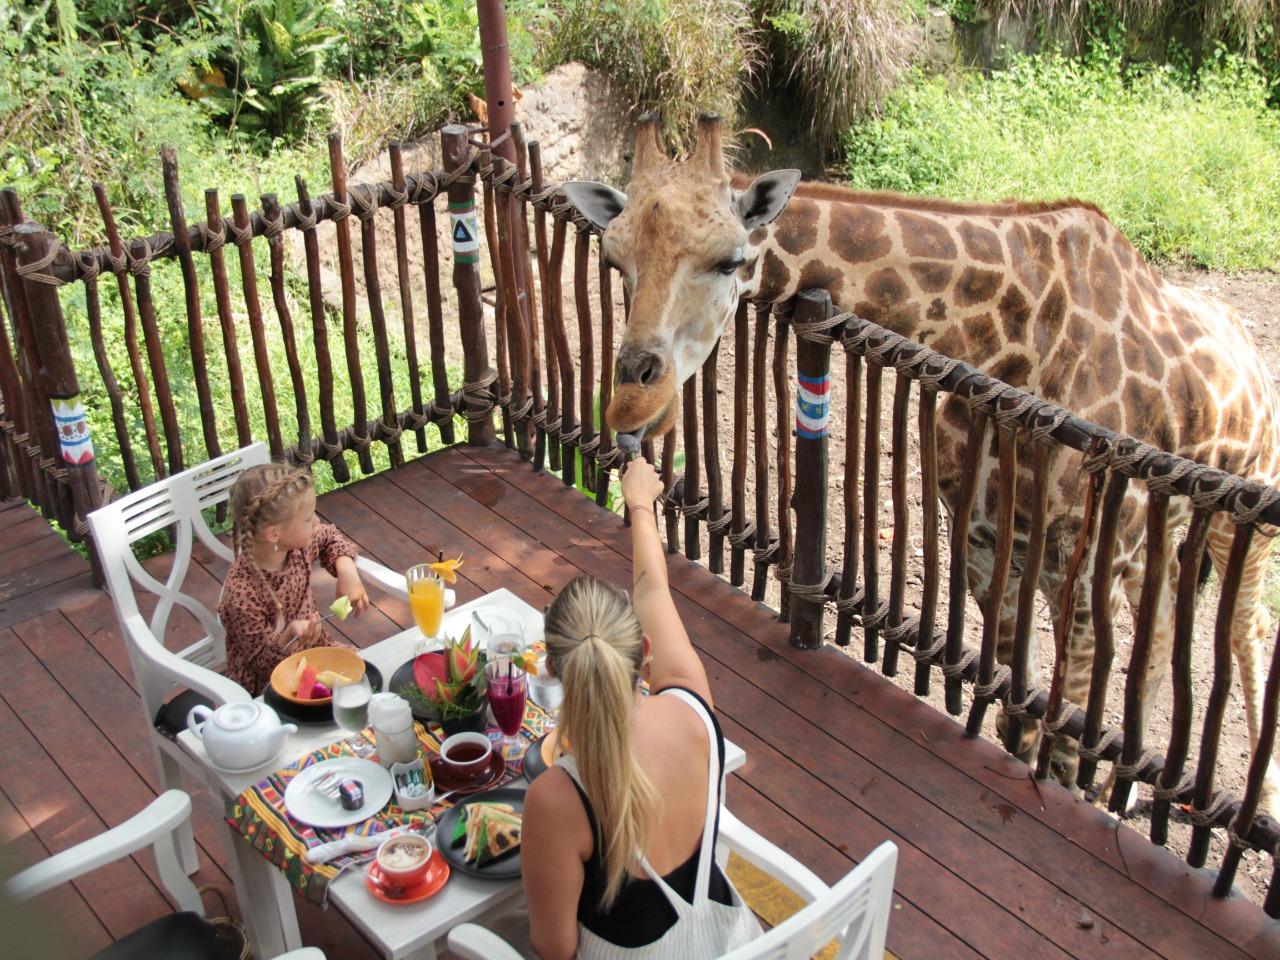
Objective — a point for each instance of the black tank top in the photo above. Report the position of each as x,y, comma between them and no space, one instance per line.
641,914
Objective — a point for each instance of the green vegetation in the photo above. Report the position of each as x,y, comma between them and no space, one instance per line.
1188,166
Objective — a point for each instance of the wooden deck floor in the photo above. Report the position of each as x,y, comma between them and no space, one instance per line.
838,759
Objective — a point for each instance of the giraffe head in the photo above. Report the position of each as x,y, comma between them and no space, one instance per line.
680,238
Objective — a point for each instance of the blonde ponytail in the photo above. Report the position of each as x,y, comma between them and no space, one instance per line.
595,646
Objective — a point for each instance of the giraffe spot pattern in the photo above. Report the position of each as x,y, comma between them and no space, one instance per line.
857,233
1031,255
798,232
981,337
1140,351
819,274
952,343
926,237
981,243
775,277
932,276
1104,280
756,236
1104,361
1015,370
1049,318
1061,365
1073,248
1189,397
888,302
1014,311
937,311
1146,406
977,286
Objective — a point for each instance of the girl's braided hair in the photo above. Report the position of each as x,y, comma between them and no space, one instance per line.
264,495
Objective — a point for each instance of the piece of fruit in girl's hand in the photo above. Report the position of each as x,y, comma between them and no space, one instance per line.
447,570
306,684
320,691
341,608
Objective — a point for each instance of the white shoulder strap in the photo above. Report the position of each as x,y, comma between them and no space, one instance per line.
706,856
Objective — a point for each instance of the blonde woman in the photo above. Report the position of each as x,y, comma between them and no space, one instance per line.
618,849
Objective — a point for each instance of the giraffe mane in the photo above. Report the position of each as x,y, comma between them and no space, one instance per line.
814,190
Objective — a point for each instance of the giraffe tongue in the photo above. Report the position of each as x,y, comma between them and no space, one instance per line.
629,443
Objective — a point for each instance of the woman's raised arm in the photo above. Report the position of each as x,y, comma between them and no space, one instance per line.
675,662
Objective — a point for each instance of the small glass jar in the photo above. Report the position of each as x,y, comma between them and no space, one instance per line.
392,722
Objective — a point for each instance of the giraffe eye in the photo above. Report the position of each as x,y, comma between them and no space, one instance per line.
726,267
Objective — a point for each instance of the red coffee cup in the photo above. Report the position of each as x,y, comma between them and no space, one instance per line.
466,756
403,860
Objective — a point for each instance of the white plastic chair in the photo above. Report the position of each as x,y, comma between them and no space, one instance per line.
854,912
157,825
191,673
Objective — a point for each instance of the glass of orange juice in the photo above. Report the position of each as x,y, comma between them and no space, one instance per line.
426,598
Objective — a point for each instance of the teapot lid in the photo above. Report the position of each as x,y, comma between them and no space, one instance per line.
238,716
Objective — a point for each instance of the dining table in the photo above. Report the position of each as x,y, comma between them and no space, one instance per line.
416,930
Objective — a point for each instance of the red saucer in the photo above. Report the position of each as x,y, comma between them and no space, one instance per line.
430,884
446,781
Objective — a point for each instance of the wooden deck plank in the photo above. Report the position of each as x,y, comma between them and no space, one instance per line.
29,579
57,923
29,529
18,511
62,813
1003,878
33,552
689,578
112,705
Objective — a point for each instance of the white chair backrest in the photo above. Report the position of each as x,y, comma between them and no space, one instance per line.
175,502
854,913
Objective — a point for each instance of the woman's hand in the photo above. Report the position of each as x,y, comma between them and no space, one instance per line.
640,484
351,586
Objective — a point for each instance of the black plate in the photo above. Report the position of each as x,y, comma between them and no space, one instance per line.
504,868
534,766
320,712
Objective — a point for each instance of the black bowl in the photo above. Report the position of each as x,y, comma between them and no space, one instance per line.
313,713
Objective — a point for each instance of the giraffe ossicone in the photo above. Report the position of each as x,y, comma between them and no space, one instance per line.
1048,297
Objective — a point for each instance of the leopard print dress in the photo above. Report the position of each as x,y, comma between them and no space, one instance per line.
248,610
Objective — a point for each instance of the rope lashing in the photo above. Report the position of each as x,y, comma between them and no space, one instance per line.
899,632
478,399
1022,708
463,173
988,690
1066,711
1209,815
364,200
240,236
1171,794
273,227
340,210
720,526
697,509
396,198
359,442
743,539
930,652
875,621
307,221
426,186
33,271
213,240
1130,771
765,554
813,592
118,264
1042,432
89,267
817,331
1094,754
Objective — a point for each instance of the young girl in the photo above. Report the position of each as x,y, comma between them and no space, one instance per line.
619,837
267,607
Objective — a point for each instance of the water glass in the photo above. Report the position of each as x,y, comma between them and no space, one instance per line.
351,703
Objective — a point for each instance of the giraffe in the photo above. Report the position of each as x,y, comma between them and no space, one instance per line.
1048,297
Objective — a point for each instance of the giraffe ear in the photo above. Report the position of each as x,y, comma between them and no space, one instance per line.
597,202
761,202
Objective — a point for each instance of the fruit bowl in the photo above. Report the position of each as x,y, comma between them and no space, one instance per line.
319,660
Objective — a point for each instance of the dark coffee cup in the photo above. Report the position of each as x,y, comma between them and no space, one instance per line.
466,756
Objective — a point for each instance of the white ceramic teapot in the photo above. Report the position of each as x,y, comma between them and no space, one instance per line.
239,736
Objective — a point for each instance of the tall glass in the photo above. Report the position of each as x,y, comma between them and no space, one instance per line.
426,599
351,703
508,688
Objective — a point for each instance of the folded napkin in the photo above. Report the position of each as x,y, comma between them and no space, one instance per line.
258,814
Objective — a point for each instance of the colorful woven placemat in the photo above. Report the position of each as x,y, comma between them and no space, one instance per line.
258,814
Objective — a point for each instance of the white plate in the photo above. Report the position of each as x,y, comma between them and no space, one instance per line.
312,807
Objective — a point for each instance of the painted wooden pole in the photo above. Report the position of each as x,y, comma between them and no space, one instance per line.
813,418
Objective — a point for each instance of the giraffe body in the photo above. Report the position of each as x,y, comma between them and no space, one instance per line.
1050,298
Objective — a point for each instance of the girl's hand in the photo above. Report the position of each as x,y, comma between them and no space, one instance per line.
306,631
640,484
351,586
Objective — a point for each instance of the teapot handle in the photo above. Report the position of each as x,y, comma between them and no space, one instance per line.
196,719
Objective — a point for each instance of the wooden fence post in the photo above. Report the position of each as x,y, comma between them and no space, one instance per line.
813,415
477,375
37,249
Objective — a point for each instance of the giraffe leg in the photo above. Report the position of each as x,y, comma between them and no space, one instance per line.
1250,633
1064,757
